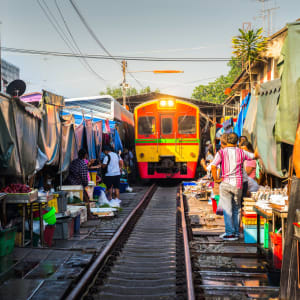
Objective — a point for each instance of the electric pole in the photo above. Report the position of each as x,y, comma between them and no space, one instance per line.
124,65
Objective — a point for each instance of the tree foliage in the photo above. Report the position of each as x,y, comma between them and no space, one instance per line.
214,91
248,47
117,92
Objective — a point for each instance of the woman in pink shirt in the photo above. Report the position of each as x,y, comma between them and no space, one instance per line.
249,165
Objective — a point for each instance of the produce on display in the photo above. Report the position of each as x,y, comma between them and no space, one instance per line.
16,188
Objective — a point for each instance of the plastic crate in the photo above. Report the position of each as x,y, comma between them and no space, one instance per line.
64,229
123,187
252,220
53,203
276,239
250,234
266,235
77,224
7,241
188,183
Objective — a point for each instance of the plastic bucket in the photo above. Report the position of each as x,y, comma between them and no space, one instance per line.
50,217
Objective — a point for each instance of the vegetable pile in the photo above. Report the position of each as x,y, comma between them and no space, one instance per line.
16,188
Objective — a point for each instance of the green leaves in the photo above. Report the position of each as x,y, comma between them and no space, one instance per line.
249,45
214,91
117,92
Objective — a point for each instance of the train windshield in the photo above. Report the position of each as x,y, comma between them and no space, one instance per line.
187,125
146,125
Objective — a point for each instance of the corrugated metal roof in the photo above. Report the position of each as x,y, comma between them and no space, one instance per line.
102,107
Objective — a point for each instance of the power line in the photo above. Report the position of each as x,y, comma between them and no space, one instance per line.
96,38
55,24
117,57
74,41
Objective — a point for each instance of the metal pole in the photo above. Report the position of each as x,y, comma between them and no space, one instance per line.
124,82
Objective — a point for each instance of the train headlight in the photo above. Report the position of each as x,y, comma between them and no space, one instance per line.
170,103
163,103
142,155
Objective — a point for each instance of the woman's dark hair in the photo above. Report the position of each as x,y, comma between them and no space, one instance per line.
242,139
82,153
232,138
248,145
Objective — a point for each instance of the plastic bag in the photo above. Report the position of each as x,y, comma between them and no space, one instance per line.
102,199
115,203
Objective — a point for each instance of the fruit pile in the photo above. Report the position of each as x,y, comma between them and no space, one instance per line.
16,188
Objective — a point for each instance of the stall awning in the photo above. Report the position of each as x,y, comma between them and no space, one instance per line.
269,150
99,107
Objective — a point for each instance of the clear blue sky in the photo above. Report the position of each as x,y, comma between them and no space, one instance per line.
163,28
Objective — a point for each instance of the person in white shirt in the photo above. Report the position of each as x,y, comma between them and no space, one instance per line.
113,163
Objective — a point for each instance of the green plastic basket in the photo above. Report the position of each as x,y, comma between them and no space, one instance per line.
50,217
7,241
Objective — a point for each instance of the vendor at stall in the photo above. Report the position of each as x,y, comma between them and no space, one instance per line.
78,175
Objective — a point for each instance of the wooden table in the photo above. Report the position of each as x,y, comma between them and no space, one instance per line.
282,215
268,216
24,204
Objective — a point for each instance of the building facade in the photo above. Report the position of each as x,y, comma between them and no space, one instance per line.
9,73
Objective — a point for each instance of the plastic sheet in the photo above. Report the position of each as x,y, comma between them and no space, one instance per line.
97,130
269,150
68,147
289,101
18,140
50,131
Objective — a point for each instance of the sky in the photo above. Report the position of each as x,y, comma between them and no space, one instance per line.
156,28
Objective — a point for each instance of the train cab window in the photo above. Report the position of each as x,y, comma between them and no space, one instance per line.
187,125
167,126
146,125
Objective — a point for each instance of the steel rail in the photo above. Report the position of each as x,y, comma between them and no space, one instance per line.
92,271
187,257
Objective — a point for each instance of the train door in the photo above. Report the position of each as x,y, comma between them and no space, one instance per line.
166,127
167,134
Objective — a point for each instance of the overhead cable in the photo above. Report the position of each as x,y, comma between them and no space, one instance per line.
116,57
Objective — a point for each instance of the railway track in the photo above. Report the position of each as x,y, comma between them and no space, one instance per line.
147,258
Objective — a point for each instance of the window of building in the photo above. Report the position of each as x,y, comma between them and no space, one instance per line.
146,125
187,125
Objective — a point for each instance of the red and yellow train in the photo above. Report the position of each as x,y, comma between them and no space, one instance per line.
167,139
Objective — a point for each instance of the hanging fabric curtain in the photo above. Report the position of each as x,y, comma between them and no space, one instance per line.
79,136
118,142
250,120
68,146
97,130
238,129
289,101
50,130
90,138
19,123
269,150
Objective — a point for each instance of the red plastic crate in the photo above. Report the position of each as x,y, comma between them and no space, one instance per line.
276,240
214,205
